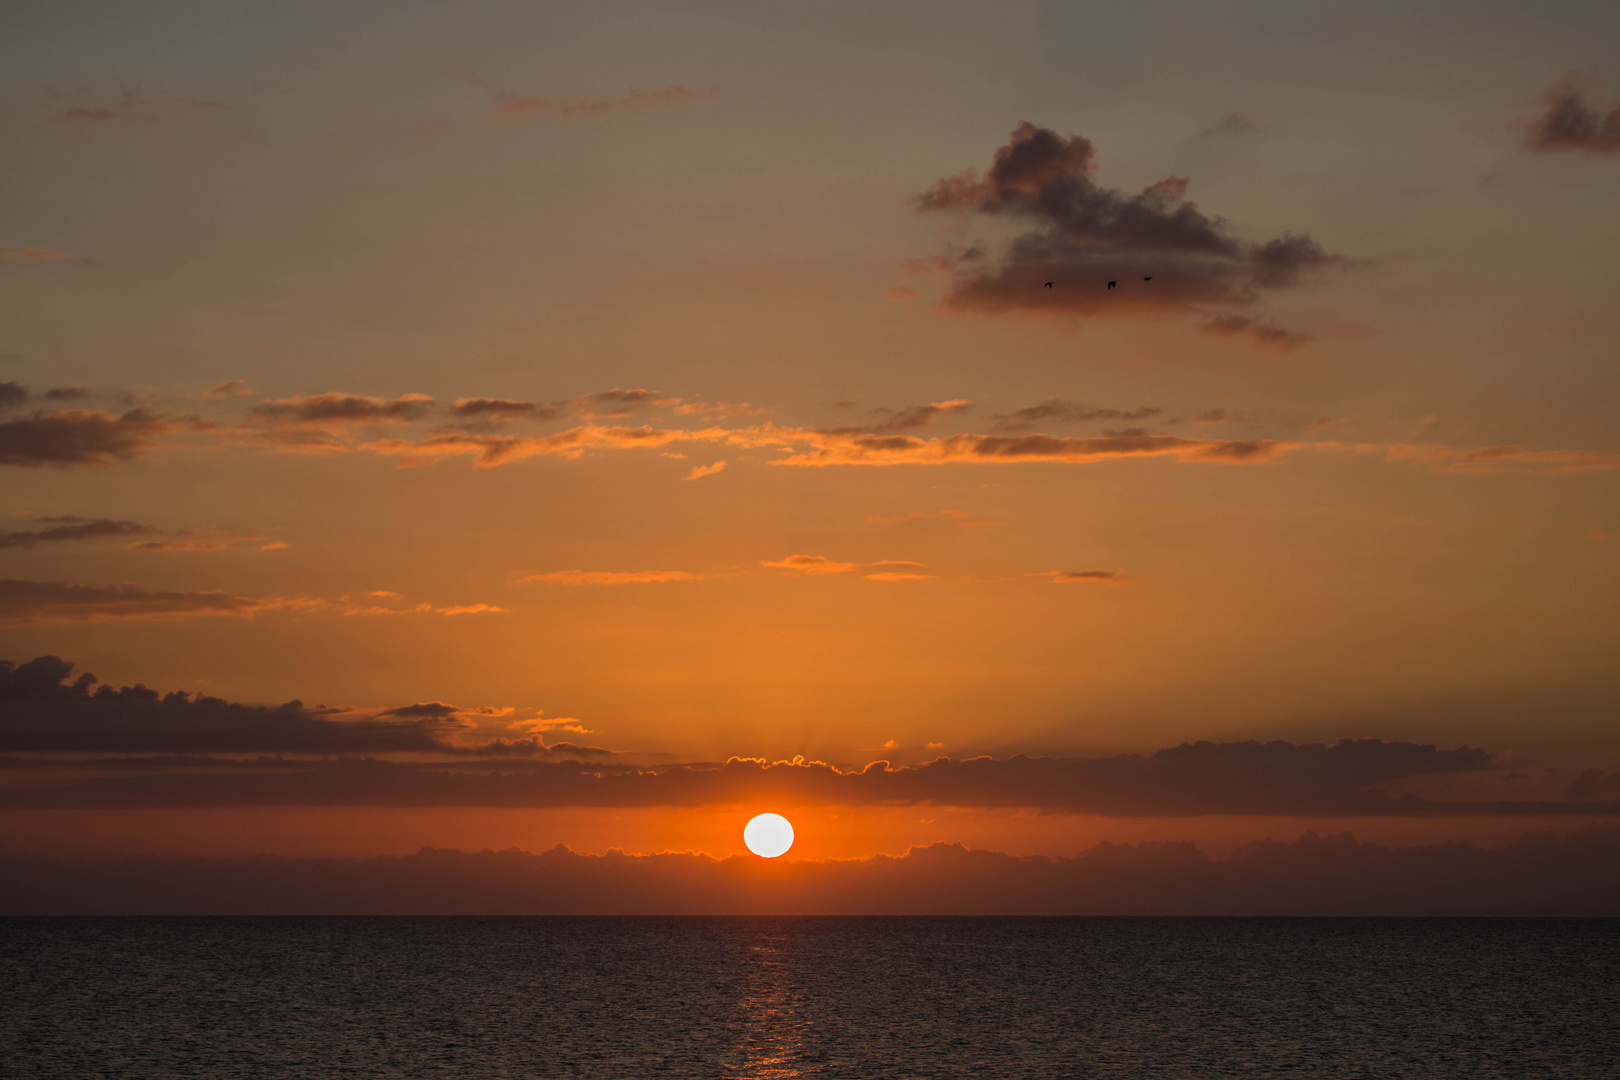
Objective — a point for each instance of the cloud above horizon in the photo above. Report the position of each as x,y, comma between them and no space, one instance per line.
1537,875
1569,124
80,438
65,527
42,712
1165,254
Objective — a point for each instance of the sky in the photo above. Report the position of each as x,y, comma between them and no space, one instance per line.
604,422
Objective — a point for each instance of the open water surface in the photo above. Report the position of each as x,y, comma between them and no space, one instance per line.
528,998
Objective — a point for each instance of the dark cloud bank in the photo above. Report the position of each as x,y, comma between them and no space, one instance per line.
45,710
1538,875
315,757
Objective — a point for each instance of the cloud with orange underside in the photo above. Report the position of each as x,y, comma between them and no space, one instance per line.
831,448
809,564
1083,577
610,577
35,254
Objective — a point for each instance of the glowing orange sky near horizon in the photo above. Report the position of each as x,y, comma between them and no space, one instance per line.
603,385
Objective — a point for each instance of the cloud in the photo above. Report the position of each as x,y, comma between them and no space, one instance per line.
1249,778
704,470
917,416
489,451
621,402
1570,124
51,603
1538,875
611,577
1594,785
67,527
34,254
809,564
227,543
1056,410
43,712
419,609
235,388
895,575
507,409
900,294
1065,577
38,603
512,107
1505,458
13,394
832,448
1262,333
337,409
79,437
1234,123
1085,235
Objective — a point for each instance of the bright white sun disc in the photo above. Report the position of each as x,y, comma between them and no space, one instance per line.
768,835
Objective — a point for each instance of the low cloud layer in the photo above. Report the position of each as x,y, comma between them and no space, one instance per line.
48,711
1103,253
1577,875
45,709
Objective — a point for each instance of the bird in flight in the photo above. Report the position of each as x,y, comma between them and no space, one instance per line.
1049,284
1111,284
1147,279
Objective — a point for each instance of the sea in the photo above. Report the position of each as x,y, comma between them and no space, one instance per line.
522,998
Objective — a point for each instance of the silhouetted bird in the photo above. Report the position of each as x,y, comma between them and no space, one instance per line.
1147,279
1111,284
1049,284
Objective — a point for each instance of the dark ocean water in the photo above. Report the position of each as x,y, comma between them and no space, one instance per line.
815,997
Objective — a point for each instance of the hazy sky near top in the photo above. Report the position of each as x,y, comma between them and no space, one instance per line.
1360,485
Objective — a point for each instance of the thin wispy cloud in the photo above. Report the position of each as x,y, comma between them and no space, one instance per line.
65,527
611,577
515,107
700,471
35,254
809,564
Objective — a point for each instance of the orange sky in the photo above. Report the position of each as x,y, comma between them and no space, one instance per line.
679,388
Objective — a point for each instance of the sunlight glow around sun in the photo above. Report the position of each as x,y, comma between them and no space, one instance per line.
768,835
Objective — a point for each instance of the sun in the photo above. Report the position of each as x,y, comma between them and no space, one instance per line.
768,835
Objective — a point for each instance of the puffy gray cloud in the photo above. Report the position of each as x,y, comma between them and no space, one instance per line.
1165,255
1570,124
